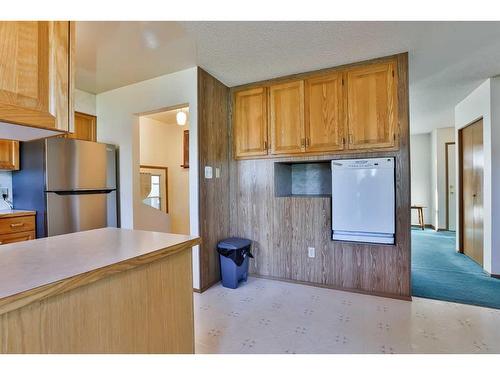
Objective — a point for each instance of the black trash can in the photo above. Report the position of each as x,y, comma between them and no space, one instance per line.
234,253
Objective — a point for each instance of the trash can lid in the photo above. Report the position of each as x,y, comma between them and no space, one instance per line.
234,243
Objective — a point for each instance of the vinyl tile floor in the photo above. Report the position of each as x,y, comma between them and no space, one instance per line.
265,316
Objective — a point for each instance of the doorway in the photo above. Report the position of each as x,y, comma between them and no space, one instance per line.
471,196
451,202
439,271
164,170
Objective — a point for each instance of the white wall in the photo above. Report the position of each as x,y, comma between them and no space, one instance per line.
161,144
439,138
117,113
484,102
85,102
494,166
420,152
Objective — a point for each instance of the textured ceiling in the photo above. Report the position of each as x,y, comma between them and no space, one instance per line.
115,54
447,59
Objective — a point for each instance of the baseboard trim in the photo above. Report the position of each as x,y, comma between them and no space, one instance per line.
201,290
351,290
428,226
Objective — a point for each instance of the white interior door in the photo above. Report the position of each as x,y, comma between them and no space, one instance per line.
452,195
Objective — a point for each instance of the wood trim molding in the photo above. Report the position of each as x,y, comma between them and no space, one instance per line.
206,287
447,203
351,290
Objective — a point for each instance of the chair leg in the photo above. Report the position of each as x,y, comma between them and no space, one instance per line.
421,218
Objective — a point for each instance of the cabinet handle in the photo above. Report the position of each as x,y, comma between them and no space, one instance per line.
265,145
302,142
350,139
15,225
307,142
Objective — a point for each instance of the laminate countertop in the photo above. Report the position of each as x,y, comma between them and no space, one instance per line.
16,213
43,267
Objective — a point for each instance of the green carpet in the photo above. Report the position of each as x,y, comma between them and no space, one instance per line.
439,272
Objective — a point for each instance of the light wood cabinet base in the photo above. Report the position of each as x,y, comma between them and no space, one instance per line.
148,309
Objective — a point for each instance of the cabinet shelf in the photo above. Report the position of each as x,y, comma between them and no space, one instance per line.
304,179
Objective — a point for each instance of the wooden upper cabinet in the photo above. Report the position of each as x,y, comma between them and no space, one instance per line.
250,122
286,106
324,113
9,154
372,105
85,127
36,75
342,110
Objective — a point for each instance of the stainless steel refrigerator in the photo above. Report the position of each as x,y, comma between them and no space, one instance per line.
71,184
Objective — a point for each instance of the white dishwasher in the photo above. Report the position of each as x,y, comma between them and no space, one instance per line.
363,200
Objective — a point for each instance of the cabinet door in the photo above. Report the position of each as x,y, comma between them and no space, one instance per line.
325,119
250,122
36,74
9,154
372,106
287,118
85,127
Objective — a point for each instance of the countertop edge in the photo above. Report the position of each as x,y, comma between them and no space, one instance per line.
16,214
27,297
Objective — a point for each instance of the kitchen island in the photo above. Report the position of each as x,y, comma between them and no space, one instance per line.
107,290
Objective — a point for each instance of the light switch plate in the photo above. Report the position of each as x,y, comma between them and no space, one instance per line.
208,172
217,172
311,252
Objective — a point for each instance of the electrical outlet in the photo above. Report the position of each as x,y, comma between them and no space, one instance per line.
4,190
311,252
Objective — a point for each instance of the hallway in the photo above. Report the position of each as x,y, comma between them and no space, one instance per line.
439,272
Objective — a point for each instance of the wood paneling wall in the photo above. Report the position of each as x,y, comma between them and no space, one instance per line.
213,149
283,227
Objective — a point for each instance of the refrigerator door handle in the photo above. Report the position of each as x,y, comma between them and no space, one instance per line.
82,192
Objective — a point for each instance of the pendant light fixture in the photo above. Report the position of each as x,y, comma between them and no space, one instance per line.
181,118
